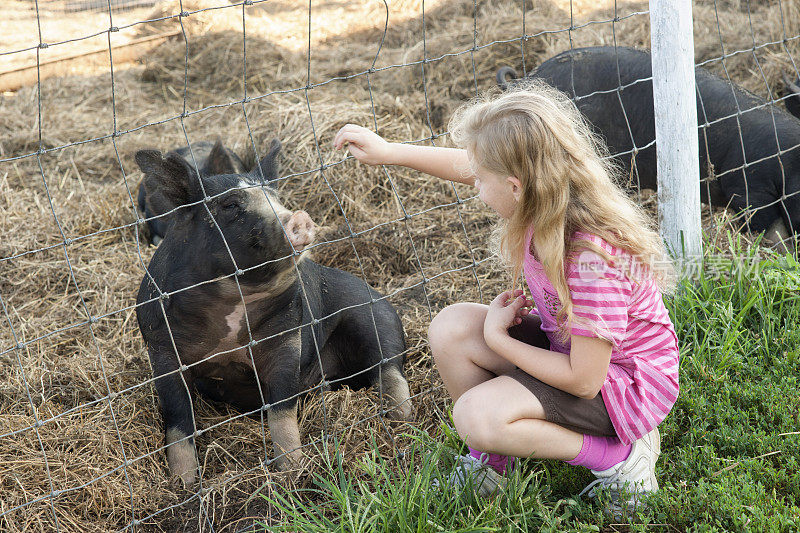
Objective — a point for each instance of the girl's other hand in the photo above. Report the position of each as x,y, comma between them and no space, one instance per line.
505,311
365,145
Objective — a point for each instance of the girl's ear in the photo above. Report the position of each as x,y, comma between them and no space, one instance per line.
516,187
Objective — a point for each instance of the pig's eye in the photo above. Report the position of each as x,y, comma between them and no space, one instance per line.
229,203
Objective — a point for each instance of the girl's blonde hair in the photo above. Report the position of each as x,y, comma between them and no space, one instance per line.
535,133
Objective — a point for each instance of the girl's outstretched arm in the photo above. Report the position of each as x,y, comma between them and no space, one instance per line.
368,147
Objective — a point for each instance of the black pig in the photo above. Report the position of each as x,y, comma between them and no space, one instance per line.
262,359
741,147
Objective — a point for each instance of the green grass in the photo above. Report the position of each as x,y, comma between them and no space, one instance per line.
730,450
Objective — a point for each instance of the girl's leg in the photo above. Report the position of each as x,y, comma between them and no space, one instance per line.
462,357
497,415
502,416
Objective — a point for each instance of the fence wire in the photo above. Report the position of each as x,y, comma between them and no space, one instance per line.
92,6
63,513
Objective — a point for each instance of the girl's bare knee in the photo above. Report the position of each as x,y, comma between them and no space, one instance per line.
457,322
450,327
473,422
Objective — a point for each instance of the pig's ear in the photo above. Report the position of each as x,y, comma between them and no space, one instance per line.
220,161
267,168
792,101
169,180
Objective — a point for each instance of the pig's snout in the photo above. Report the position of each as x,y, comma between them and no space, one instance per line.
300,229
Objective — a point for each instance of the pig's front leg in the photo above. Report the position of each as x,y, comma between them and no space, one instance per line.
176,409
285,436
780,237
282,380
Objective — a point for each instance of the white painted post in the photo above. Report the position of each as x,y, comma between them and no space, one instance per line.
672,49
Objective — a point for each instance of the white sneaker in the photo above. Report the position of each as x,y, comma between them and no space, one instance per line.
473,473
631,479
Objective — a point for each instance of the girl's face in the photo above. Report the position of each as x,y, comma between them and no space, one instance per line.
501,193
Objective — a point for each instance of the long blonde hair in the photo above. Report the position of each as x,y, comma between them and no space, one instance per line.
535,133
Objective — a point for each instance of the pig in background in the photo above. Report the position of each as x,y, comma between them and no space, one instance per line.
251,345
211,159
752,147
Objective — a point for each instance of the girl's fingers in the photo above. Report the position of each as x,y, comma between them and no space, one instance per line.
337,139
502,298
347,133
512,297
346,137
517,302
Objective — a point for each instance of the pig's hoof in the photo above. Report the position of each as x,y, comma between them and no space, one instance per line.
293,463
397,395
189,480
181,457
183,483
780,238
186,480
401,412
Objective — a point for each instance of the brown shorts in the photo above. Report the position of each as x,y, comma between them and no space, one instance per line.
562,408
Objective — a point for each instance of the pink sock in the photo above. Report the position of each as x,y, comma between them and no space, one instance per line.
601,453
501,463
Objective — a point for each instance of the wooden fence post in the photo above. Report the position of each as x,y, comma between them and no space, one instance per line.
674,97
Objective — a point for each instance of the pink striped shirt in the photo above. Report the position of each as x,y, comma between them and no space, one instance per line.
642,382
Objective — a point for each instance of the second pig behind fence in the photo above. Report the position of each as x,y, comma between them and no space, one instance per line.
747,146
232,307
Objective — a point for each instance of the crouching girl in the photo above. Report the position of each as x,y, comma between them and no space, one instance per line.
585,370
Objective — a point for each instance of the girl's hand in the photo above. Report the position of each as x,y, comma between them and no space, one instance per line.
365,145
505,311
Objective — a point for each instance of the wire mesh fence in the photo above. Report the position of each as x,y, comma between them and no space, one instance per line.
97,6
82,439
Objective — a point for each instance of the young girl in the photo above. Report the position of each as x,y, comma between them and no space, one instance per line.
586,376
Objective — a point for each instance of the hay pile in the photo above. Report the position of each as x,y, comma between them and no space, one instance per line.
68,367
66,33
